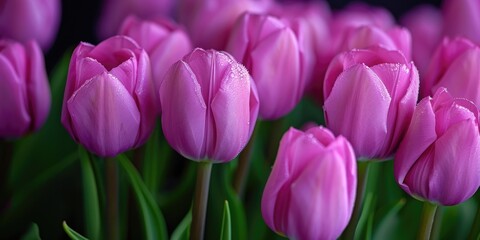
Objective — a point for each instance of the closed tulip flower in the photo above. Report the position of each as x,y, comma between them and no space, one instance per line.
109,102
455,67
209,106
462,19
24,90
164,42
270,50
439,158
25,20
310,192
370,95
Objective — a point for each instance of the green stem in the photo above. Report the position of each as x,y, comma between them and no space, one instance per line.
362,175
6,153
200,202
241,173
428,217
112,198
474,231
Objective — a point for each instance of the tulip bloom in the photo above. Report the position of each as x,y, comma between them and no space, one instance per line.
370,95
25,20
462,19
164,42
425,26
455,67
270,50
209,106
24,90
438,160
115,11
109,102
310,192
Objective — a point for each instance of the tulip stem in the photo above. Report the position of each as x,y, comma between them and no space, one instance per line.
474,231
6,152
200,202
111,180
429,210
362,175
241,173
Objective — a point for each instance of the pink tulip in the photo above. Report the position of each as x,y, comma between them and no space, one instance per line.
24,90
164,42
370,95
109,102
209,106
395,38
425,25
439,158
25,20
462,19
455,67
311,190
209,22
270,50
114,13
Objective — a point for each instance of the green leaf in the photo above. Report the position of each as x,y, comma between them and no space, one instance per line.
226,233
33,233
157,152
368,209
90,196
154,223
387,226
182,232
71,233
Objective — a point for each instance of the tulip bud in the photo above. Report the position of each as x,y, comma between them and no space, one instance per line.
370,95
425,25
271,52
310,192
25,20
455,67
115,11
462,19
24,89
209,106
164,42
439,158
109,102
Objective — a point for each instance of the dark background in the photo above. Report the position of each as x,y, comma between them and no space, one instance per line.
79,19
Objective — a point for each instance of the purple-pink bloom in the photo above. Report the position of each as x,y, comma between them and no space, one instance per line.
209,106
425,25
271,52
165,42
454,66
25,20
370,95
114,13
24,90
209,22
439,157
462,19
109,104
310,192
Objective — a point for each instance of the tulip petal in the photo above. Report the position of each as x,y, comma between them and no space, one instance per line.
357,108
181,88
107,115
113,51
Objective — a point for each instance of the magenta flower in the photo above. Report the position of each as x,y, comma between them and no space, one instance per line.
24,90
455,67
311,190
209,106
425,25
164,42
109,102
220,16
114,12
25,20
462,19
438,160
370,95
270,50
